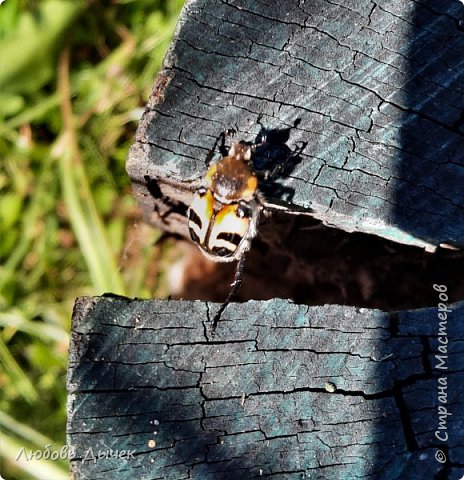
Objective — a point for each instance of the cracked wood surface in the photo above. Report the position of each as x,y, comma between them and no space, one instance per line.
378,87
257,399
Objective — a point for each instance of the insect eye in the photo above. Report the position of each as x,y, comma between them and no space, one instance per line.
243,210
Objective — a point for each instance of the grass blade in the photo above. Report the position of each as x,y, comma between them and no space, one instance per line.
40,469
19,378
86,222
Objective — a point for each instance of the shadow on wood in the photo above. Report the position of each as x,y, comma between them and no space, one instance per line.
427,110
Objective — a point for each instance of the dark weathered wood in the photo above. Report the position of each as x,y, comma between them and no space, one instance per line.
282,391
378,87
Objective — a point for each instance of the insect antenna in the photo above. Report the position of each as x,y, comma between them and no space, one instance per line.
232,292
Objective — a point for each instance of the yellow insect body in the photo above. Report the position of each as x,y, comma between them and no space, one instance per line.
224,213
222,231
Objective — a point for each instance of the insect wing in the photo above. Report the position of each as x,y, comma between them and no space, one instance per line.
228,231
199,216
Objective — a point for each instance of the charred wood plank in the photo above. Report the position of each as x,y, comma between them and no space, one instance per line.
282,391
378,90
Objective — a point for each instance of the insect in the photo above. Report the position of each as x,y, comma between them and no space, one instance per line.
225,211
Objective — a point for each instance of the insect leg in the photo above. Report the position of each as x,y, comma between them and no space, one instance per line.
223,149
233,290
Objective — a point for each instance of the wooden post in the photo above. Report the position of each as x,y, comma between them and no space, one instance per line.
377,90
282,391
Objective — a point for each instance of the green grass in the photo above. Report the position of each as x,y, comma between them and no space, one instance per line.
74,78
